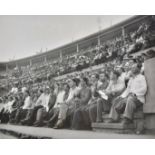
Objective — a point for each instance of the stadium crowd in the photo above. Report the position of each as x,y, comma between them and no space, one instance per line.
118,47
81,98
78,101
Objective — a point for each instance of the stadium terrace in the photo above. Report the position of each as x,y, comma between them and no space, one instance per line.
104,81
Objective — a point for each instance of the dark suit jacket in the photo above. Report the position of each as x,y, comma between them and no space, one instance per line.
52,101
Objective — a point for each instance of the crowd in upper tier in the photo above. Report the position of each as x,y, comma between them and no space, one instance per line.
118,47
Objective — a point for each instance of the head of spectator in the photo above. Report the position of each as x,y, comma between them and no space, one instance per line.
47,90
10,98
135,70
84,82
5,99
72,83
114,75
1,100
40,91
103,77
94,78
26,93
120,70
66,87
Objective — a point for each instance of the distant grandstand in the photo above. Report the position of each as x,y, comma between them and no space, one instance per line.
61,60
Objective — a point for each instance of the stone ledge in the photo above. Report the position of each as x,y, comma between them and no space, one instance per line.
42,132
112,126
137,115
20,135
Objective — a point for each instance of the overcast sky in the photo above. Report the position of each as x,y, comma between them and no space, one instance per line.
22,36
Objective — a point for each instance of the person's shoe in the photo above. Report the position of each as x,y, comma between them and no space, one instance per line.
29,123
56,127
99,121
59,125
12,121
110,121
45,122
126,121
36,124
50,124
24,122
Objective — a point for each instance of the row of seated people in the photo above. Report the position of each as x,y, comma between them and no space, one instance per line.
116,62
41,81
78,102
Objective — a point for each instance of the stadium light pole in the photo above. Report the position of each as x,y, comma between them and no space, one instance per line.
99,31
7,69
30,62
123,33
45,59
16,64
77,48
60,56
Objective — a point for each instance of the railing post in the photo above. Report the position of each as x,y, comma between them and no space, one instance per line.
77,48
30,62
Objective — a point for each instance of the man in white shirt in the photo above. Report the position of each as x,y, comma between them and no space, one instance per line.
14,89
9,105
115,87
46,101
1,104
61,98
6,110
21,112
27,101
24,89
132,98
68,103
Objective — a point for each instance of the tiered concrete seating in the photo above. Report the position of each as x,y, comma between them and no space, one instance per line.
136,127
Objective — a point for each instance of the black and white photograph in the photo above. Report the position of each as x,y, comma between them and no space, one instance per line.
77,77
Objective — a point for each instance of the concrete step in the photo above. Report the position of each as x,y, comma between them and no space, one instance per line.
114,127
137,125
44,132
137,116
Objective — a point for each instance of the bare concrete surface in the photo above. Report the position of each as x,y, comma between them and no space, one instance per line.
4,136
69,134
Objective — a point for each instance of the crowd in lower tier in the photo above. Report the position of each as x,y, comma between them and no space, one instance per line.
79,101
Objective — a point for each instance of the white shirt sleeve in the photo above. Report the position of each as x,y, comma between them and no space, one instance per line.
38,102
140,86
27,103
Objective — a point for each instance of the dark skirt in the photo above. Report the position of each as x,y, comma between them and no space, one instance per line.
81,119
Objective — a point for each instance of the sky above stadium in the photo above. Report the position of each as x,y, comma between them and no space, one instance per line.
22,36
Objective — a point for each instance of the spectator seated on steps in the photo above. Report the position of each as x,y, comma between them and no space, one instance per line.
131,99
